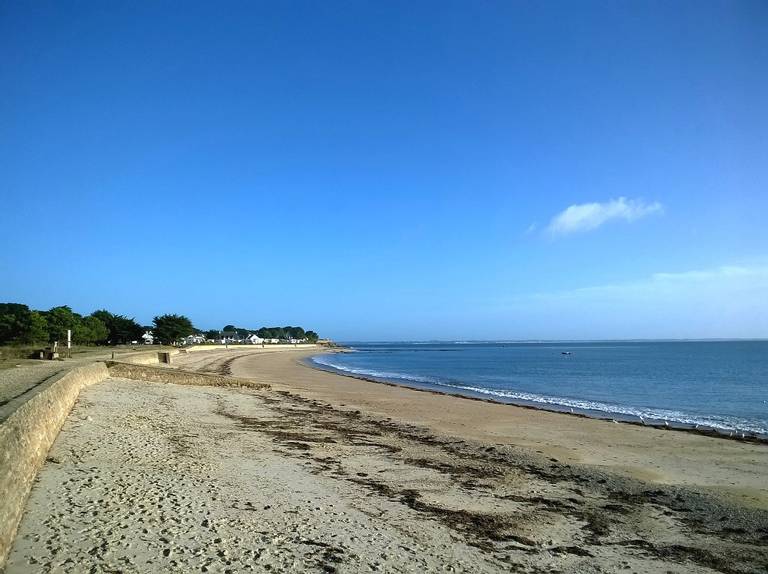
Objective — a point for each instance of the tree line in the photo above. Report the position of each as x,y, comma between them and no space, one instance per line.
20,325
282,333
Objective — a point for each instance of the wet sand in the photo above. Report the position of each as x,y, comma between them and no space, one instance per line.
323,473
727,467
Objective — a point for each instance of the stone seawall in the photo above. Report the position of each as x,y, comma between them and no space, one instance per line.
152,357
160,375
27,434
145,357
198,348
31,421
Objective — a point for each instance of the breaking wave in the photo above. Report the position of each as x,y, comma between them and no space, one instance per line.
653,415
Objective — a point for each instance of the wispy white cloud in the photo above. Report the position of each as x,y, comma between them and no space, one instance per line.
723,272
724,301
587,216
729,278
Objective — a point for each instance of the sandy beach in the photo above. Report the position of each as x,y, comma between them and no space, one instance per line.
324,473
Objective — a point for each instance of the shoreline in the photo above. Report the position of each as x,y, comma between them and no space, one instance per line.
619,418
648,453
298,469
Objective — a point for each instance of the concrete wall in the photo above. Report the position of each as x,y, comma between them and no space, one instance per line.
150,357
198,348
27,435
31,422
145,357
160,375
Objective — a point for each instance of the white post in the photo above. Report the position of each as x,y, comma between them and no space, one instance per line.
69,343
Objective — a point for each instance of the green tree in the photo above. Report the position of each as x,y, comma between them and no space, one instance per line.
311,336
121,329
13,320
170,328
229,328
212,334
90,330
296,332
60,319
20,325
38,329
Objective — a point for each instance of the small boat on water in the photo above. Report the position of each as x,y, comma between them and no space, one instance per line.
566,353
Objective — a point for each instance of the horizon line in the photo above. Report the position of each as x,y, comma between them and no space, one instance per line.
638,340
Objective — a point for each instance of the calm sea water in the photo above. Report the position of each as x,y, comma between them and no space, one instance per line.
720,385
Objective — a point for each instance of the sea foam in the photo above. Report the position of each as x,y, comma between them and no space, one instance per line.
550,402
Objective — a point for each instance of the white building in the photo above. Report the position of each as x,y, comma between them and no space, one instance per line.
194,339
148,337
230,337
253,340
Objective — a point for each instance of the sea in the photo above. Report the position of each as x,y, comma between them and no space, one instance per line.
720,386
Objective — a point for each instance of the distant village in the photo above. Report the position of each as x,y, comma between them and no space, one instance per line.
20,325
231,335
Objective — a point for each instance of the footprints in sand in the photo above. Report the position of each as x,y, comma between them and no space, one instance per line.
161,478
157,482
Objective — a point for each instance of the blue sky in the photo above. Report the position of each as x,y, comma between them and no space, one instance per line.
391,170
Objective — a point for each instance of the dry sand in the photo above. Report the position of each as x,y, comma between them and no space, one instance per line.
726,467
324,473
